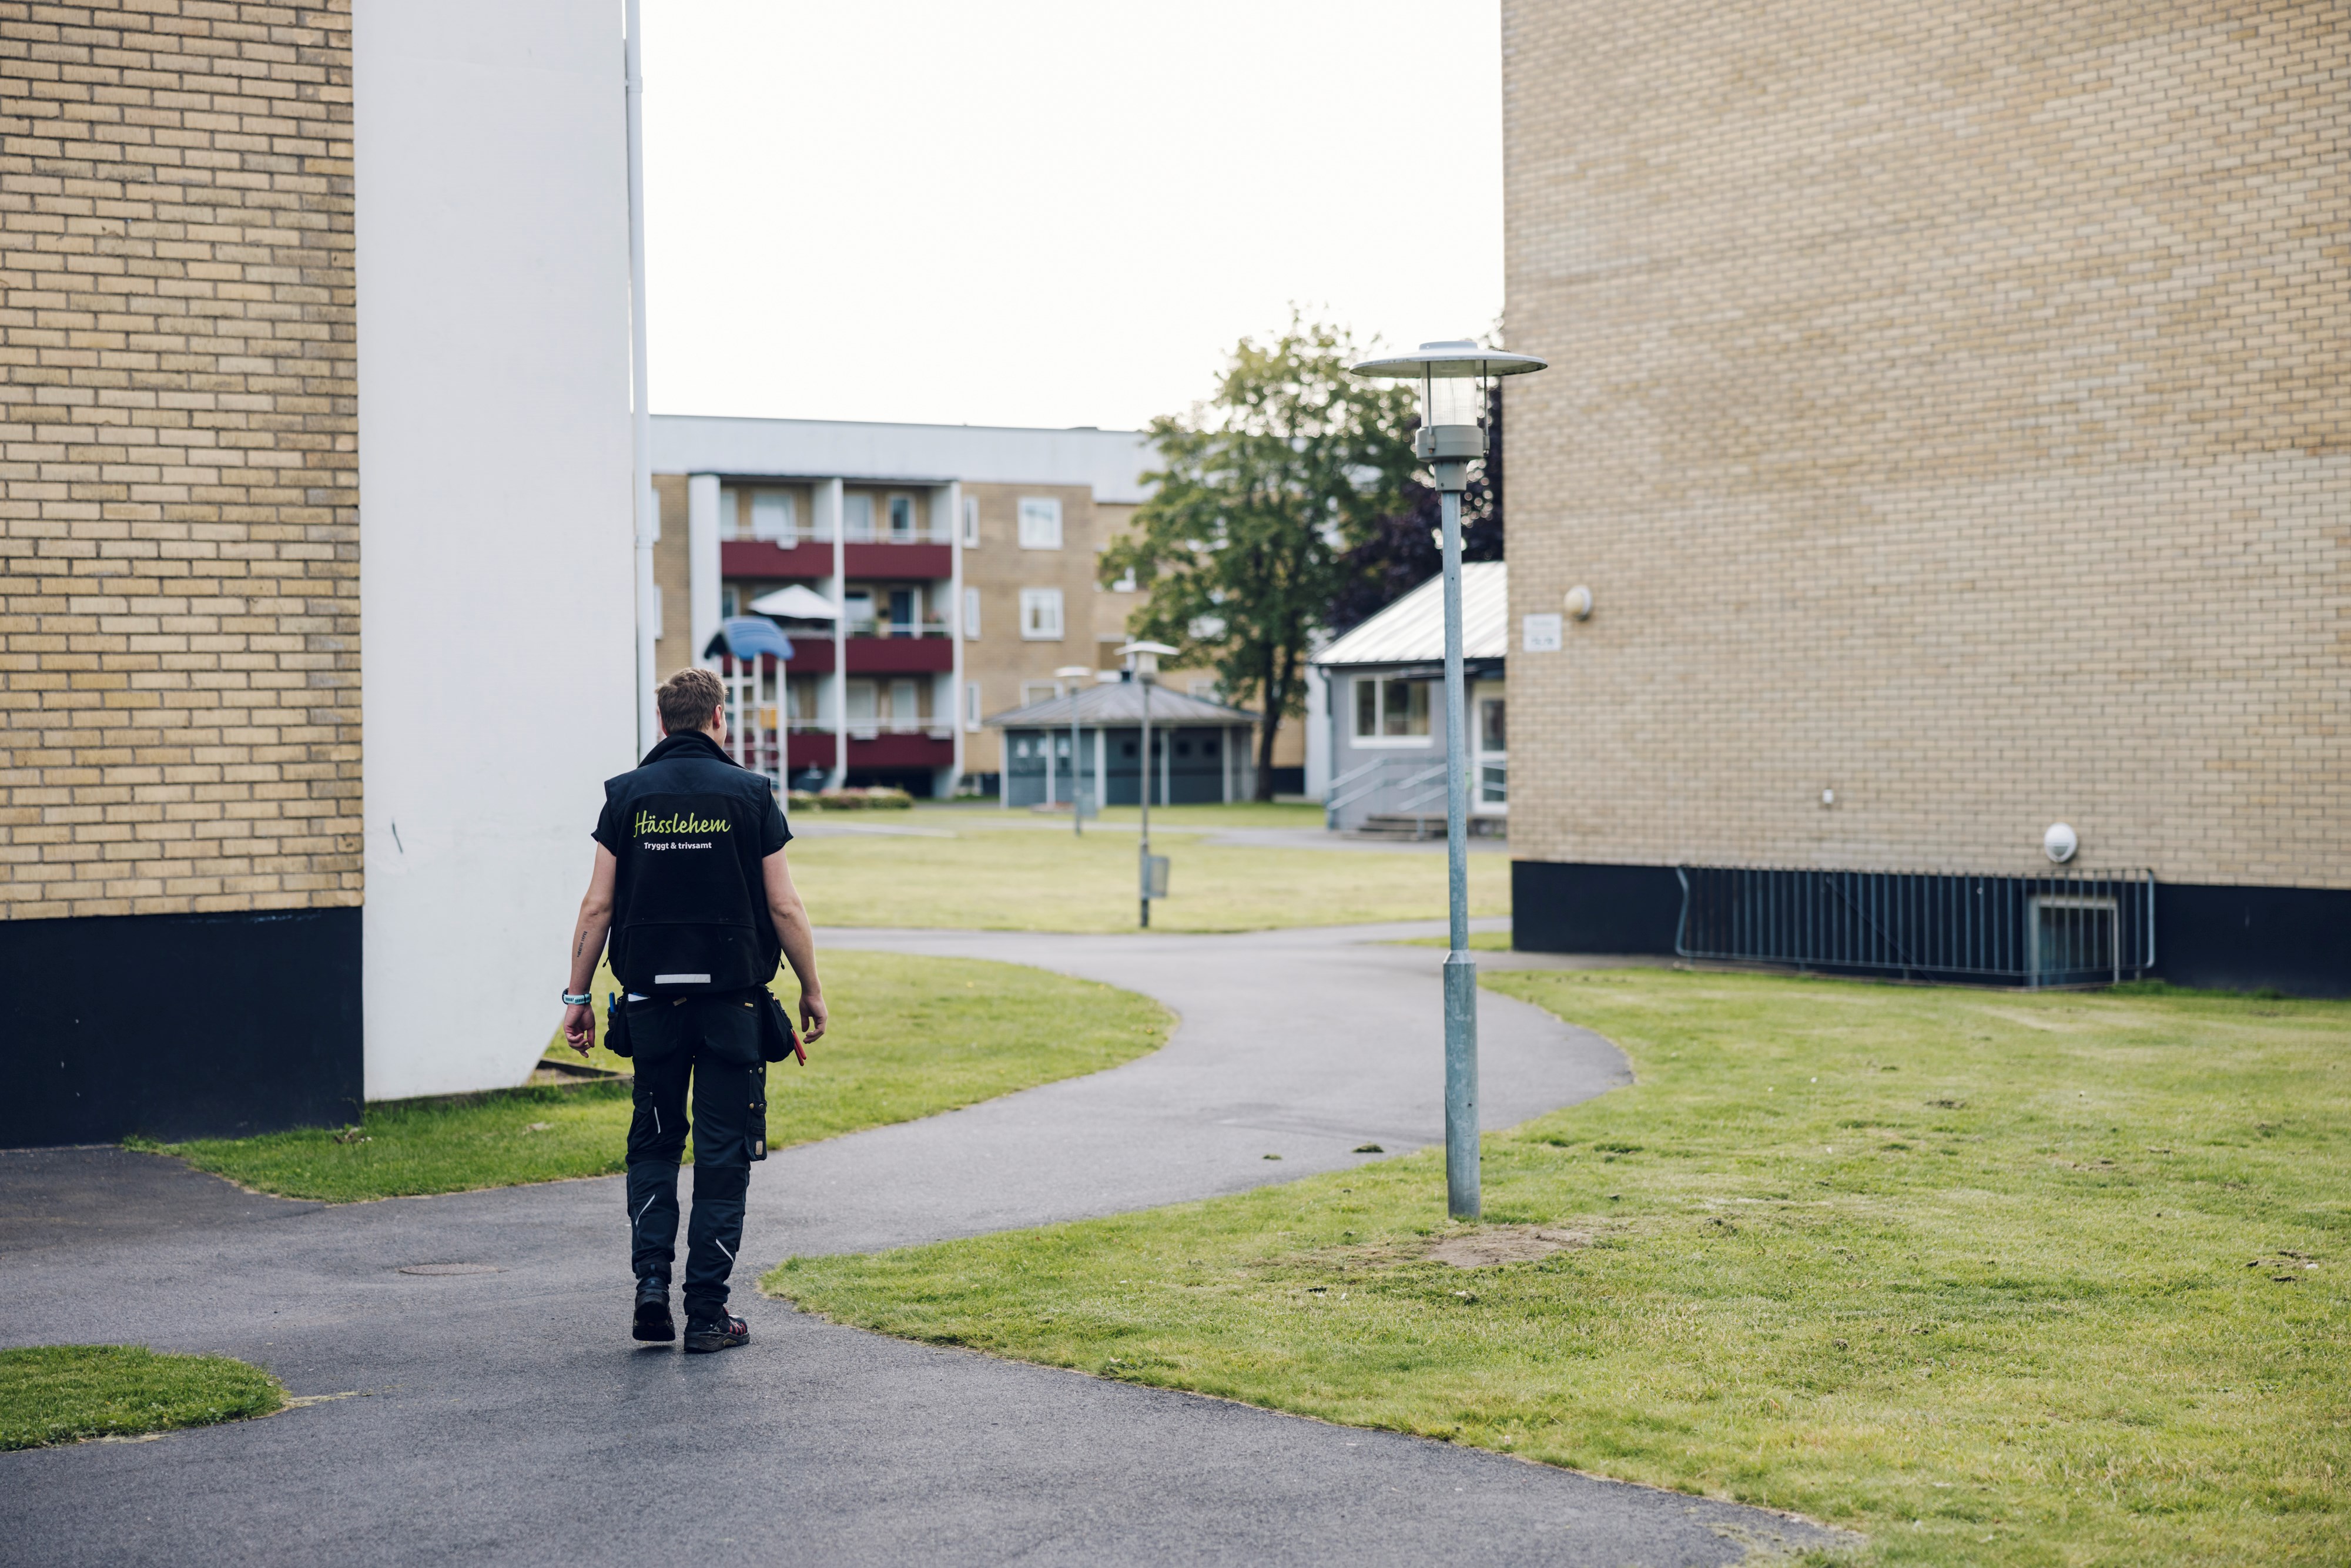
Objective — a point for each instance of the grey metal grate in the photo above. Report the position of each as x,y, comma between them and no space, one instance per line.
2064,928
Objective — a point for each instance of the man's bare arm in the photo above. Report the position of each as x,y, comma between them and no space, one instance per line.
792,929
588,947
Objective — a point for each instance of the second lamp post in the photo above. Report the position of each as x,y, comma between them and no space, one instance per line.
1453,377
1144,658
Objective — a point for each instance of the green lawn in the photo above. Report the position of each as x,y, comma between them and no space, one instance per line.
999,880
62,1392
1992,1277
911,1037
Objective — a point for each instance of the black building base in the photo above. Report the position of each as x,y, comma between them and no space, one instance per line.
177,1026
1560,906
2295,940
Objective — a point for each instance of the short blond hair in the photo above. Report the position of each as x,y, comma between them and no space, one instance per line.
687,699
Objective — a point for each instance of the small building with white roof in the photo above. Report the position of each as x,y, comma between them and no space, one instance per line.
1386,685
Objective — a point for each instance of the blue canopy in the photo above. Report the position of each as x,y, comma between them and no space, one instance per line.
745,637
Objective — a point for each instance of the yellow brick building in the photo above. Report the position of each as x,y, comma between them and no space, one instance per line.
256,261
1947,416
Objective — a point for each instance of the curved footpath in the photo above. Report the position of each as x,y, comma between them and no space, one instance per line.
506,1417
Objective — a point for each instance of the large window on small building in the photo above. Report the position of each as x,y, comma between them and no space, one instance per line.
1040,614
1390,709
902,519
1040,523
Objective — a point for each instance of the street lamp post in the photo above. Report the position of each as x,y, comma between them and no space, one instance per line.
1452,377
1077,750
1144,658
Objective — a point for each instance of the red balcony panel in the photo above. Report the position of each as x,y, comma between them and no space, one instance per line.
896,655
812,652
900,751
760,560
808,748
898,562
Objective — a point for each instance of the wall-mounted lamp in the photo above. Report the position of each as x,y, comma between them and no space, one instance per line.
2060,842
1579,603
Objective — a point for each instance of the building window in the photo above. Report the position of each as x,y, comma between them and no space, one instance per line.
1040,614
902,519
1390,709
858,523
771,516
1040,524
971,707
1126,583
730,600
1039,692
1205,688
971,615
862,702
971,522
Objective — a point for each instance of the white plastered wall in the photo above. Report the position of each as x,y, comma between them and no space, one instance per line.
494,560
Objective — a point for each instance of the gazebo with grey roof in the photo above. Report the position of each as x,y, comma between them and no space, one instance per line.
1200,749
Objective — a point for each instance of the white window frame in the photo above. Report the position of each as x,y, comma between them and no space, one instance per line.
914,521
971,615
971,522
1039,605
971,707
774,518
1379,706
1039,692
1041,522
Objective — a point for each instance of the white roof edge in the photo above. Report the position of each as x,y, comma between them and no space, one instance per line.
1411,630
1110,463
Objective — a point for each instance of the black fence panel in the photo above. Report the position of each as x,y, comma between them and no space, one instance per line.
2064,928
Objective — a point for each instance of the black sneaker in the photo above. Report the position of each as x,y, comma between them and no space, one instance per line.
653,1321
722,1332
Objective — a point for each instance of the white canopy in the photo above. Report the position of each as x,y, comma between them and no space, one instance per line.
796,603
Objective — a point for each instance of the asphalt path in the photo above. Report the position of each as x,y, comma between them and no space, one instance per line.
504,1417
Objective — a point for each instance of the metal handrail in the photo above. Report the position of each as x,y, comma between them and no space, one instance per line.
1422,781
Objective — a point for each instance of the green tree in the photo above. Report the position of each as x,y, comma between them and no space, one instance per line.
1242,546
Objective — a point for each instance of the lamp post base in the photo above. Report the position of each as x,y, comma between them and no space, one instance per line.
1461,1197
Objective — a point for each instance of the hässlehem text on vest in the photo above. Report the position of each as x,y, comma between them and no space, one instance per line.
647,822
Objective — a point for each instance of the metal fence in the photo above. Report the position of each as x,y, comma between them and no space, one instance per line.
2064,928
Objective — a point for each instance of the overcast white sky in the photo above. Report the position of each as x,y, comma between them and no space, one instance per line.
1041,212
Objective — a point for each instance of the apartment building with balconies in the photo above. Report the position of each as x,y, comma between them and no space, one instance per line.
947,572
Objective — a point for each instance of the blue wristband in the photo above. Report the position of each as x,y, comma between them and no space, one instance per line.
581,1000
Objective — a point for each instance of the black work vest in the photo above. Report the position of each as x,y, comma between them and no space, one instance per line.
690,830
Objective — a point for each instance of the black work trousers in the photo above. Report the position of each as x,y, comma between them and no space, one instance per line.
713,1041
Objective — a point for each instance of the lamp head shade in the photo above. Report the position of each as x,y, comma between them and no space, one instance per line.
1452,376
1146,655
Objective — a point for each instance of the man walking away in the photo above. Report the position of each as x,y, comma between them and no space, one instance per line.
691,882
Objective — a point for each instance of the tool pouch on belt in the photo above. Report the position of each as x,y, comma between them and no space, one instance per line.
616,1026
776,1039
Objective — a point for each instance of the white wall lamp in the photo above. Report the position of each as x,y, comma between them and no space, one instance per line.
2060,842
1579,603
